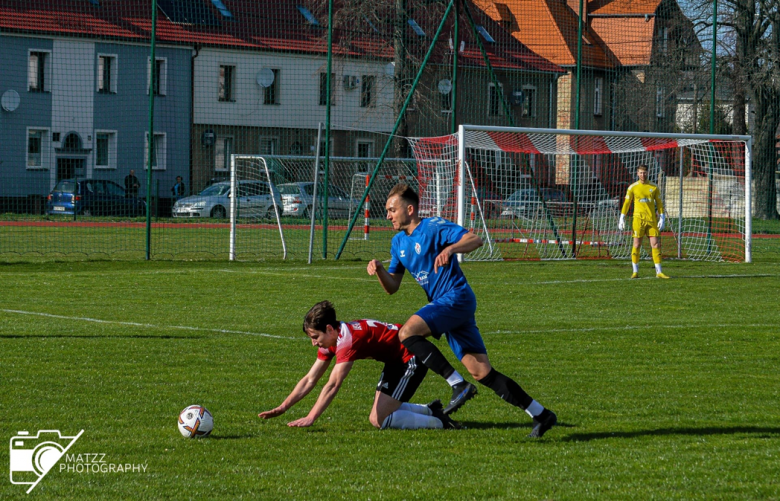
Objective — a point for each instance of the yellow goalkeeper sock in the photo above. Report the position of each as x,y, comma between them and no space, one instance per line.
657,260
635,259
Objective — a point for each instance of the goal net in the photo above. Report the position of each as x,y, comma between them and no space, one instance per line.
557,194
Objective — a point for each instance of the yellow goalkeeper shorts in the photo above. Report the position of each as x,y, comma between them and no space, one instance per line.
644,227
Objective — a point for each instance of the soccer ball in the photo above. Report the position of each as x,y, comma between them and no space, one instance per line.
195,422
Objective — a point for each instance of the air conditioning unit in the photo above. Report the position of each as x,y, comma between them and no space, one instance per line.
351,82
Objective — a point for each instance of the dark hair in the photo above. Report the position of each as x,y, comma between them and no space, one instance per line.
320,316
642,167
406,193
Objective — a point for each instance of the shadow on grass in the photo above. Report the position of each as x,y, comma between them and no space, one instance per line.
118,336
483,425
230,437
768,432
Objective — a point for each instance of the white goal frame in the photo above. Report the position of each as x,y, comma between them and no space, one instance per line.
234,206
463,175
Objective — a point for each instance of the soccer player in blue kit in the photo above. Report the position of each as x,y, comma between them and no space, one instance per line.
426,248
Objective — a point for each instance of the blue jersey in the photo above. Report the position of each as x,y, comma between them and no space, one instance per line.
417,253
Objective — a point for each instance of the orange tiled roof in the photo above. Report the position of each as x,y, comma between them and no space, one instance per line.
623,7
549,28
630,39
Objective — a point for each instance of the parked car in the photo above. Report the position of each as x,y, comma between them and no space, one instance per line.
525,202
92,197
490,202
297,200
255,199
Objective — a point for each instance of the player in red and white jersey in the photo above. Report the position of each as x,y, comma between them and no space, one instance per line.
357,340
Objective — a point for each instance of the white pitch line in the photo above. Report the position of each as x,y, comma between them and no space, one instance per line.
150,326
630,327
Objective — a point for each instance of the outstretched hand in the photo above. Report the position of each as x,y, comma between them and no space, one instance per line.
304,422
272,413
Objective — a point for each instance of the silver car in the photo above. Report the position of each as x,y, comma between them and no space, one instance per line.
255,200
297,200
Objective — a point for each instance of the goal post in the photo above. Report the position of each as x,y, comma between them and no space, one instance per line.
254,198
557,194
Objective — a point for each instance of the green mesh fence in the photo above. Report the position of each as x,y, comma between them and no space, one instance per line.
89,103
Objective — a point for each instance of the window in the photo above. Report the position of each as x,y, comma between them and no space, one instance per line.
105,150
308,15
324,89
38,147
364,148
296,148
226,83
495,106
597,93
664,40
659,103
529,101
367,99
416,28
223,148
38,71
107,71
158,151
271,93
482,31
446,102
161,81
269,145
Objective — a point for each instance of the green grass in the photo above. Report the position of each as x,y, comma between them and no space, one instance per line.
665,389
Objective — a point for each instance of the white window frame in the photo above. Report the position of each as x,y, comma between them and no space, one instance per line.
660,109
274,140
46,156
530,99
665,40
598,93
161,145
113,76
277,89
372,92
112,150
46,70
220,153
163,76
491,87
231,94
360,142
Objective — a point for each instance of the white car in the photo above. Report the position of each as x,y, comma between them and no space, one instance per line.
255,200
297,199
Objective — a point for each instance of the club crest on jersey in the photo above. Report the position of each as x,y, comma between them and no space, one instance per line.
417,247
356,326
422,278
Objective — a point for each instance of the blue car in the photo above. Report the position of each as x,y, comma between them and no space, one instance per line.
93,197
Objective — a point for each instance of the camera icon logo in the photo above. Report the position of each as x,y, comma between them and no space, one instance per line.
33,456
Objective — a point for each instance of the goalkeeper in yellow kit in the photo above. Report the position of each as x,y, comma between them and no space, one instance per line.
647,202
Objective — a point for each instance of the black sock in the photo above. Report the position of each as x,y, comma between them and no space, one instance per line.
507,389
428,354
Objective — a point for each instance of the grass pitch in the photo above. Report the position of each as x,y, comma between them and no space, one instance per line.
665,389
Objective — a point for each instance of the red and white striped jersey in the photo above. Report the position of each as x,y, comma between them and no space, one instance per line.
361,339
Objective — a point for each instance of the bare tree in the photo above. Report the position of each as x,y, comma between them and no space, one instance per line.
751,44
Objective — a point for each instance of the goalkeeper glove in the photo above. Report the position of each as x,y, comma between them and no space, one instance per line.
622,222
661,222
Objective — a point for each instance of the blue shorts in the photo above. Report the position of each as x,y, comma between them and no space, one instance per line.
453,315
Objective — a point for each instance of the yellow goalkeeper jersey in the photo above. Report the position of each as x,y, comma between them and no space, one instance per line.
647,201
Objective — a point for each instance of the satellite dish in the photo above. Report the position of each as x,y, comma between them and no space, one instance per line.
10,100
445,86
265,77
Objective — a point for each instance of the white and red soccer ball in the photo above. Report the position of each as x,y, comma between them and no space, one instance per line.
195,422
